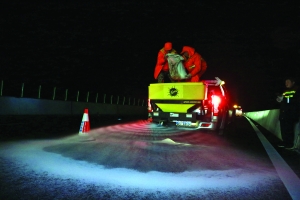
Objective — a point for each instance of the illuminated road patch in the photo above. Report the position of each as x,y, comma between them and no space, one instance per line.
145,156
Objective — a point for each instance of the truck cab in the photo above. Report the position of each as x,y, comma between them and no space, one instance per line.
202,105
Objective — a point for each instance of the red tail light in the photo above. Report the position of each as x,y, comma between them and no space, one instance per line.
215,100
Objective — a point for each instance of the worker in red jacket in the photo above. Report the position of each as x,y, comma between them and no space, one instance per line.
161,71
194,64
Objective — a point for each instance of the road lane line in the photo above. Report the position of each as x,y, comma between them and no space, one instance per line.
286,174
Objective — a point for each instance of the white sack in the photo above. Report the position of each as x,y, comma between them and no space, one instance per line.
176,68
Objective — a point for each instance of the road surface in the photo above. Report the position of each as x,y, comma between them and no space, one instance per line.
142,160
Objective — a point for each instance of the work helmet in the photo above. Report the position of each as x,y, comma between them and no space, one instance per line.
168,46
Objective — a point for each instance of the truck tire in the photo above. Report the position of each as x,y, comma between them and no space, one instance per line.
222,123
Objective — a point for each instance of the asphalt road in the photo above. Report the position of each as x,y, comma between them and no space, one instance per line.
141,160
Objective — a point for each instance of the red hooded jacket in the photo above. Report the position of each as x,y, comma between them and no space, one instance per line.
162,62
195,64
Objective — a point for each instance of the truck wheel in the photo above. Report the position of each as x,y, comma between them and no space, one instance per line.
222,123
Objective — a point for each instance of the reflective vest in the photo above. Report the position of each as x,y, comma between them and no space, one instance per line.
288,94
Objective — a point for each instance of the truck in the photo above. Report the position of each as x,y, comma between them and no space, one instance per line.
200,105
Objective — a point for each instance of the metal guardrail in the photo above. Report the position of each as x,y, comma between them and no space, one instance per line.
67,95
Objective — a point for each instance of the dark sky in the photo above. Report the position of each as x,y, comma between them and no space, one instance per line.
113,46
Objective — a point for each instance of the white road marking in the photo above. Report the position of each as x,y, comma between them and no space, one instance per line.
287,175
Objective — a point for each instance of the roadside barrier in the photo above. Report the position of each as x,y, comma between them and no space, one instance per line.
63,94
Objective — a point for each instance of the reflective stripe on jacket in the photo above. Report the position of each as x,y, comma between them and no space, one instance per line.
290,105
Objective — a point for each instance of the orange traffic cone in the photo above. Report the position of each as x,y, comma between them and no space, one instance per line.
85,123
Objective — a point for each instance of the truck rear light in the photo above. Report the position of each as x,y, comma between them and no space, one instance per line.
189,116
205,124
156,114
216,100
149,106
174,115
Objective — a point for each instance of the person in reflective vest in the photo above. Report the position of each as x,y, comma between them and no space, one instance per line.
194,64
161,71
289,113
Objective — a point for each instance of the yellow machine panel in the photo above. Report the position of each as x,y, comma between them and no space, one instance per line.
178,108
177,91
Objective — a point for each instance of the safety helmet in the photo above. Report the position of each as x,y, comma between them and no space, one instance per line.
168,46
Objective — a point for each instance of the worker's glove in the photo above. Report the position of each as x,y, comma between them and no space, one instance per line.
279,98
188,76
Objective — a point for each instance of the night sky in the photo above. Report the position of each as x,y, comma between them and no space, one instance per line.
112,46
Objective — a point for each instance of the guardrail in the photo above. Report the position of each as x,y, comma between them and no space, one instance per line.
269,119
63,94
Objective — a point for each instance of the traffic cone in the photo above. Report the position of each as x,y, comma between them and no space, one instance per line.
85,123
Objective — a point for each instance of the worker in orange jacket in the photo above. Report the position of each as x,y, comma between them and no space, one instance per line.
161,71
193,63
